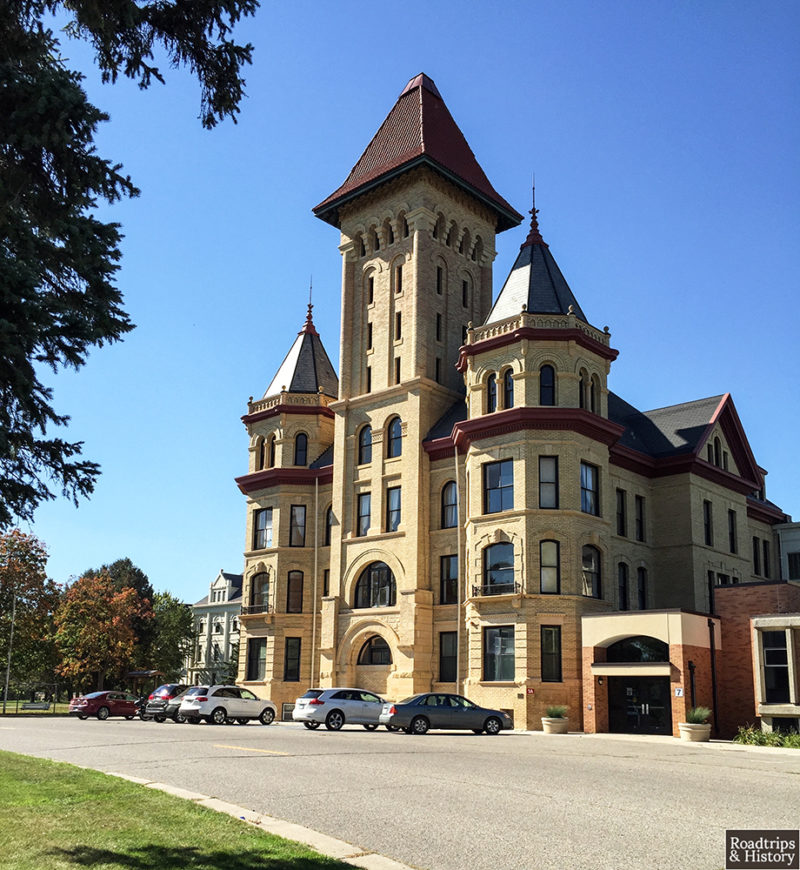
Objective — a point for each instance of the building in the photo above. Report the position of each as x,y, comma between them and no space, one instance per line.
469,501
216,619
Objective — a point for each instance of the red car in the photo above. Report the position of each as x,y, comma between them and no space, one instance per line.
103,705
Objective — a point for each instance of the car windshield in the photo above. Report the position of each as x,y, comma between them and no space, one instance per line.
95,695
312,693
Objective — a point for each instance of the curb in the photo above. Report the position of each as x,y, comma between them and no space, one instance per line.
322,843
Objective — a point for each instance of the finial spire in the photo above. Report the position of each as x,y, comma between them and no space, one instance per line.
534,236
308,326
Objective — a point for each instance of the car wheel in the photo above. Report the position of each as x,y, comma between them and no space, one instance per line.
144,717
179,718
312,726
267,715
419,725
241,721
334,720
129,717
370,727
393,728
477,730
159,719
82,716
103,713
218,717
493,725
193,720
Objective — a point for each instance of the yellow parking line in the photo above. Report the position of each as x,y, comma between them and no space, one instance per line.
249,749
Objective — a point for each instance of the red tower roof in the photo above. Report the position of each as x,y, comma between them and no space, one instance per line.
419,130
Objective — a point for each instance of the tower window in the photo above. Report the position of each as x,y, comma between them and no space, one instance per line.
498,569
376,587
465,294
498,654
622,582
365,445
439,280
548,482
491,394
590,489
294,592
438,371
370,290
592,586
394,445
369,379
390,233
297,526
449,505
549,567
398,325
398,279
547,385
498,486
551,653
405,229
397,369
363,247
508,389
272,452
262,535
708,523
301,449
438,327
376,241
369,336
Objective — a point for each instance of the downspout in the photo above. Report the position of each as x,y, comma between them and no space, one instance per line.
459,683
316,563
713,673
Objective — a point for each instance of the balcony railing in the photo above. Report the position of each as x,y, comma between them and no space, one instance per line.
497,589
250,609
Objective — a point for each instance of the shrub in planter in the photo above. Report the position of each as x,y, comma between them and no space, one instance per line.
696,728
556,712
698,715
556,721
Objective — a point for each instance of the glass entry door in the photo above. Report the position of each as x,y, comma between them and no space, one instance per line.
639,705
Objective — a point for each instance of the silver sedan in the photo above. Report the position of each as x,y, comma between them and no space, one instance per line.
416,715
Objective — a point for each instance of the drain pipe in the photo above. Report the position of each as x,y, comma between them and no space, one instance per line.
713,674
692,697
459,682
316,572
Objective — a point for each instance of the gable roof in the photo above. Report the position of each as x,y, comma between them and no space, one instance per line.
236,591
306,367
419,130
535,281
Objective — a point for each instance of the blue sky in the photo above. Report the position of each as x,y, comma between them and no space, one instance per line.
664,138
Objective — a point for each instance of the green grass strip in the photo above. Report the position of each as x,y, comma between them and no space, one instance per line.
57,816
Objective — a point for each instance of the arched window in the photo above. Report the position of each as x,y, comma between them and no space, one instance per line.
547,385
301,449
582,388
641,648
394,444
272,452
259,593
376,241
508,389
365,445
328,525
498,569
261,455
294,592
591,572
449,505
594,394
717,449
491,394
375,652
376,587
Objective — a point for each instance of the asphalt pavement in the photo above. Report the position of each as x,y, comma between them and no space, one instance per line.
449,801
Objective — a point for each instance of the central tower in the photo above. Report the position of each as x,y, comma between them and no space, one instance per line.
418,219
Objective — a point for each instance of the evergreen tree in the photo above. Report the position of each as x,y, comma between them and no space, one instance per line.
58,297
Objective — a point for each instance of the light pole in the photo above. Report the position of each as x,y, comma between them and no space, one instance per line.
10,646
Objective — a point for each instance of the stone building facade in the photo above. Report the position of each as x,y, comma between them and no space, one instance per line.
216,620
445,514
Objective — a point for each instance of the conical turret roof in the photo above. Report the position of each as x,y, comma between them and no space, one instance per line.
419,130
306,367
535,281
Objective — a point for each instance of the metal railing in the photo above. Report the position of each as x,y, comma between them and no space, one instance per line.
250,609
497,589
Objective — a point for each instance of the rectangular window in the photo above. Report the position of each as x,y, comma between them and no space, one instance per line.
498,653
397,370
548,482
732,545
370,291
550,567
464,294
262,529
551,653
326,582
622,513
766,559
398,279
448,644
756,556
256,658
708,523
641,588
398,325
793,564
711,584
439,280
776,667
448,582
364,508
392,508
438,372
369,379
622,585
590,494
294,592
369,336
438,327
640,519
498,486
291,660
297,526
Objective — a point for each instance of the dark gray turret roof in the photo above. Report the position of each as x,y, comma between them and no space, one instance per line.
306,367
536,282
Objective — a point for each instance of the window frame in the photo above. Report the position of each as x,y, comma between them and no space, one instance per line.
499,667
451,659
363,516
544,484
364,454
491,393
505,490
622,513
552,672
543,566
291,661
294,591
449,509
640,518
262,536
393,512
448,582
595,577
370,588
590,489
296,529
547,389
623,586
708,522
508,389
301,452
490,571
394,438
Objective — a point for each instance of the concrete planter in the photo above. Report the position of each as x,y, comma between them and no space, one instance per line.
694,733
554,726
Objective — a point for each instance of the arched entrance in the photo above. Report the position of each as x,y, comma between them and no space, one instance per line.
373,665
639,701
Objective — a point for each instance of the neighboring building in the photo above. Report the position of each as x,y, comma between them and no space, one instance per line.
469,500
216,619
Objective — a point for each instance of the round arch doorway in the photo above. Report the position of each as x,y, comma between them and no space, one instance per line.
373,665
639,703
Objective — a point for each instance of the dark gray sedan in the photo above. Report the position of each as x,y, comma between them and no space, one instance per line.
416,715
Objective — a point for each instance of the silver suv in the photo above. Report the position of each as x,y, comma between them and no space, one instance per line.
337,707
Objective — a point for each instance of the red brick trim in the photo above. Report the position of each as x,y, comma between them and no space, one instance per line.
322,410
766,513
248,483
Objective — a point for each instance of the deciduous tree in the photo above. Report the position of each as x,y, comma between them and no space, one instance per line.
173,634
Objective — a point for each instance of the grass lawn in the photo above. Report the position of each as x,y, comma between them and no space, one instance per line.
54,816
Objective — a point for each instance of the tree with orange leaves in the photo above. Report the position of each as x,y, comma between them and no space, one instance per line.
95,632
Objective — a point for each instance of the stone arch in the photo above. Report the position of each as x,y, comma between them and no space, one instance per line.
370,677
353,572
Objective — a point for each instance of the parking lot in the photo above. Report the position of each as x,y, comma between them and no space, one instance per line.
445,801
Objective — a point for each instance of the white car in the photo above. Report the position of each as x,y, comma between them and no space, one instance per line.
223,704
337,707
